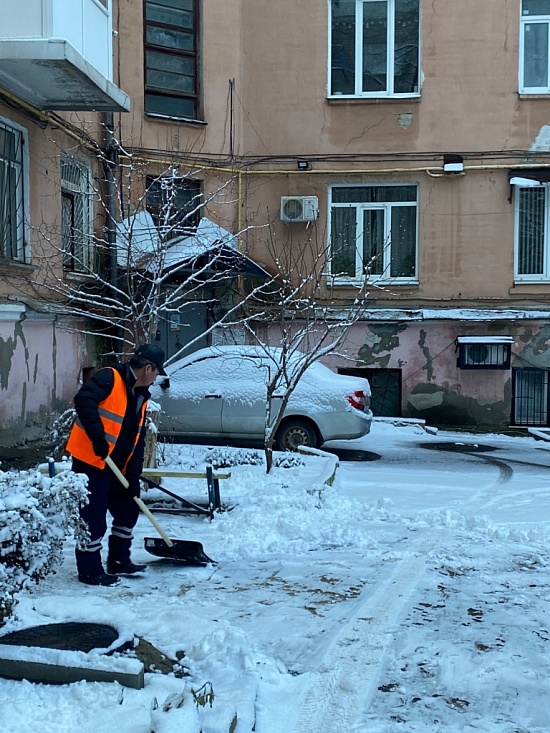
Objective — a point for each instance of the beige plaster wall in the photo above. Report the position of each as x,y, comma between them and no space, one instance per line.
277,55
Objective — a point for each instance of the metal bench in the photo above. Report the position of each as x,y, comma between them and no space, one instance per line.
212,479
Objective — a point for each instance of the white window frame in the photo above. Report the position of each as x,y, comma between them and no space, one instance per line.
82,192
361,207
526,20
22,253
545,274
390,65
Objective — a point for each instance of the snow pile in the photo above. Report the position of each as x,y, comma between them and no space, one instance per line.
36,515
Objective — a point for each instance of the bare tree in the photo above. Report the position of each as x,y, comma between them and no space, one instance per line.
124,248
297,319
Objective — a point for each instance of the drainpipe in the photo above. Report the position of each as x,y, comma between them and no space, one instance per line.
110,163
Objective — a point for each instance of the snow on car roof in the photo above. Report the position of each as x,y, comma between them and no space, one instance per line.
237,350
316,387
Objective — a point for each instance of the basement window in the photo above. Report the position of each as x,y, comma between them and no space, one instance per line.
484,352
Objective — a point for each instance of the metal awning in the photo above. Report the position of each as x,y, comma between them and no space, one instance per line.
529,176
219,258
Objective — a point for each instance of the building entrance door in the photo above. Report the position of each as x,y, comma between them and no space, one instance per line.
530,396
175,330
385,387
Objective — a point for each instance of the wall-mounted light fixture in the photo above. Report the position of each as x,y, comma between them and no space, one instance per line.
303,165
453,163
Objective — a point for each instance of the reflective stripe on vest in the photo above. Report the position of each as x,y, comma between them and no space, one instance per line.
111,413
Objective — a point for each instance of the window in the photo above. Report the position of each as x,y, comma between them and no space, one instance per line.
171,85
374,48
534,47
532,248
530,397
76,215
484,352
12,199
373,232
174,204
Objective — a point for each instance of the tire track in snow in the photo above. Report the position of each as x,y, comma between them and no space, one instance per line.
337,693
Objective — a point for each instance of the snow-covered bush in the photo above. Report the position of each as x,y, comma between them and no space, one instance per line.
36,515
227,457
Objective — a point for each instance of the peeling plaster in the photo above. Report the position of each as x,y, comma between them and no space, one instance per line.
537,352
405,119
381,337
428,366
542,140
424,401
7,350
440,406
24,402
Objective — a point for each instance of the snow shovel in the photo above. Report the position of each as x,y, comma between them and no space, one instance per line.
184,550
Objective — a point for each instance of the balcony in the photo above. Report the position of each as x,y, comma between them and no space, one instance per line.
57,55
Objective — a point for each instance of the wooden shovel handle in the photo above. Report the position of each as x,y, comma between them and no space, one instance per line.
124,481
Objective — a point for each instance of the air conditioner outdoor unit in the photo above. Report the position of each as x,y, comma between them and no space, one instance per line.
477,352
299,208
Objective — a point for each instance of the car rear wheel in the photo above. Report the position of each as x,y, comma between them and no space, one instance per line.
293,433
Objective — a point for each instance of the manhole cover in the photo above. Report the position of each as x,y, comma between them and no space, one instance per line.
458,447
72,636
346,454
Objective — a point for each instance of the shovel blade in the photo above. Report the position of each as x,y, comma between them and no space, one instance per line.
186,551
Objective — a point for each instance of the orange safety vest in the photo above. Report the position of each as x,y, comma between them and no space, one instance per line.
111,413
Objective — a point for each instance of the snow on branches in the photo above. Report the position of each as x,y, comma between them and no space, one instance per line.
36,515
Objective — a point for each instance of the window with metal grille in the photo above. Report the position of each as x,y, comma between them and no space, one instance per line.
12,203
171,43
174,204
374,48
76,215
484,352
530,396
532,233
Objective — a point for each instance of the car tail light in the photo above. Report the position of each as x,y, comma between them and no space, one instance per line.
357,400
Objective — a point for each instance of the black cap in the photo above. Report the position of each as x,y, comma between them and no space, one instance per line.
154,354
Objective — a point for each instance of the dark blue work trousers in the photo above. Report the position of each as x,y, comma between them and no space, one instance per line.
106,494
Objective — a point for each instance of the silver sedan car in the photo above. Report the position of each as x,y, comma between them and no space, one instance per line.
221,393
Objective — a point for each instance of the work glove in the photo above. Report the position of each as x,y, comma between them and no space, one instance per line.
101,448
134,487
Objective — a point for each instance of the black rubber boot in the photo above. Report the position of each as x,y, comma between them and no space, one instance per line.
98,579
114,567
118,560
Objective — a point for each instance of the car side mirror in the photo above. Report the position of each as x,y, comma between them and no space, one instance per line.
165,383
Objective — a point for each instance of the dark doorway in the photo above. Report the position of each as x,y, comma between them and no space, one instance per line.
385,387
530,396
175,330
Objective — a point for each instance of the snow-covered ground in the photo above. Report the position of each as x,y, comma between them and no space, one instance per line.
410,596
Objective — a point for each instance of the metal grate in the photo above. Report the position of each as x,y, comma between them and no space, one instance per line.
76,215
484,356
530,397
11,193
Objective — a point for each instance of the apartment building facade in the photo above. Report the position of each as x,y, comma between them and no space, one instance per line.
410,141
